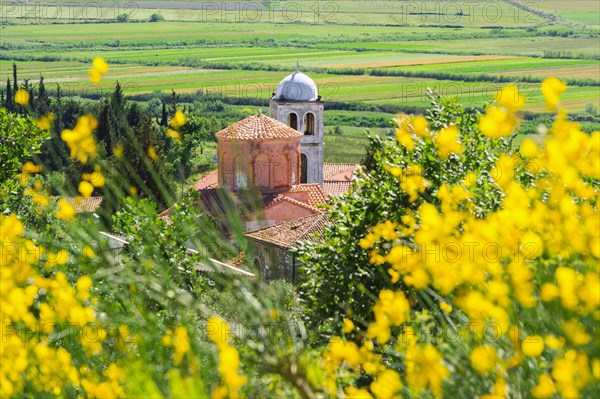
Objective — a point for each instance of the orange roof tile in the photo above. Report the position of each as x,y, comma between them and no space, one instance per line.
339,171
288,233
209,180
316,195
281,198
258,127
336,188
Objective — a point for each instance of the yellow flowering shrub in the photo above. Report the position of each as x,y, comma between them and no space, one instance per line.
34,309
483,256
502,280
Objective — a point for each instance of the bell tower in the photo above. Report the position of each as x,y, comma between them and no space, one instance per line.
297,104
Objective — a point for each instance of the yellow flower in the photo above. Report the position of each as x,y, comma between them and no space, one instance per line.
100,65
83,285
10,227
445,307
152,153
532,245
85,188
497,122
425,368
548,292
95,76
509,97
348,326
356,393
340,351
40,199
66,211
554,342
59,258
552,88
178,120
403,137
545,387
88,252
30,167
44,122
80,140
181,344
99,68
447,142
533,346
22,97
567,285
219,392
575,332
529,148
483,358
420,126
96,178
386,385
175,135
217,330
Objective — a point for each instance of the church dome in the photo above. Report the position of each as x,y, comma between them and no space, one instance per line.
297,87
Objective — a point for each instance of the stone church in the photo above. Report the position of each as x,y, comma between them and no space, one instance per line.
279,160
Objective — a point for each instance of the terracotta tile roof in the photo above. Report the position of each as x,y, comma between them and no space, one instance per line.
316,195
339,171
288,233
293,201
258,127
336,188
82,204
209,180
216,200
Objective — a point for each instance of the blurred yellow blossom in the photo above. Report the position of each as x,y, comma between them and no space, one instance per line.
85,188
65,210
510,98
447,142
497,122
552,88
484,358
152,153
178,120
22,97
99,68
44,122
529,148
175,135
81,140
533,346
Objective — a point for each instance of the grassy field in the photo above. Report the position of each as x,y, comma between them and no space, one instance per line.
461,49
581,11
522,46
429,12
348,147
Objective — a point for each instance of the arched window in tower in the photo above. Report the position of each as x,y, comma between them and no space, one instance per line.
242,174
309,123
292,120
262,178
280,171
303,168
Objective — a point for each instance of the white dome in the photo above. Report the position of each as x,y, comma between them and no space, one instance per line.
297,87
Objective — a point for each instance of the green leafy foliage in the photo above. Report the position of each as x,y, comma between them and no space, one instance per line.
20,140
342,282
